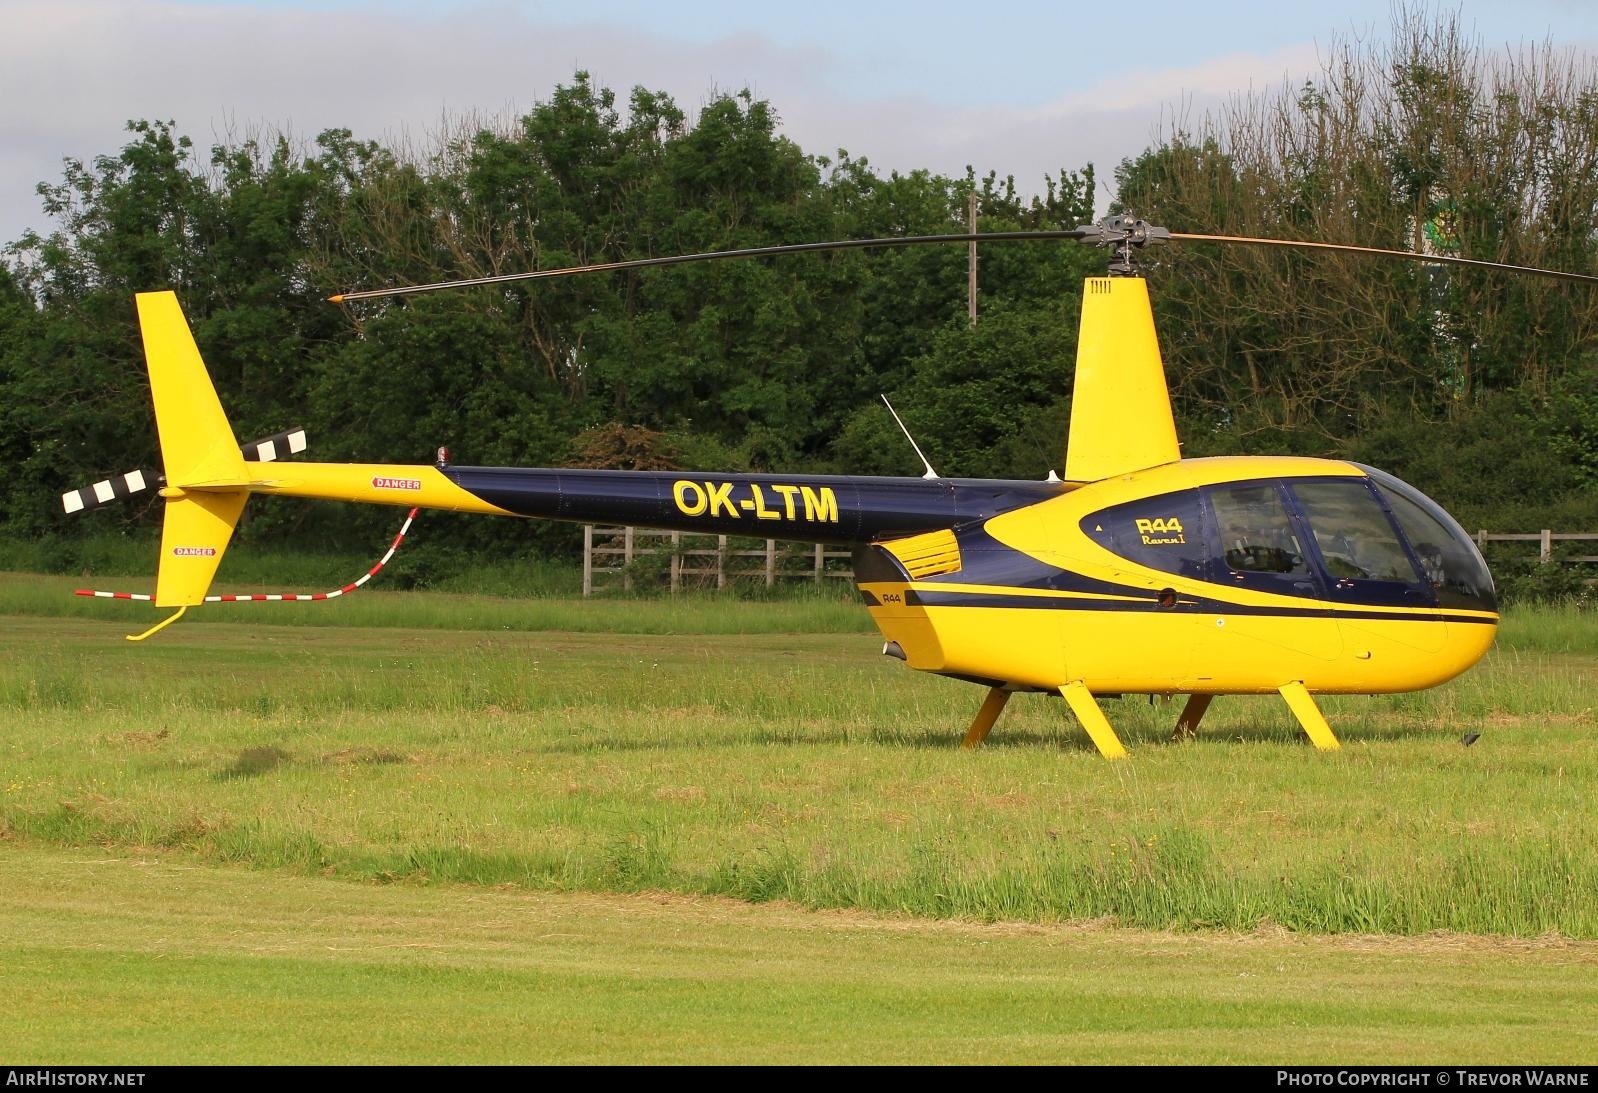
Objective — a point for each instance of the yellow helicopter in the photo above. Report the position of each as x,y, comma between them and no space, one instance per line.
1139,573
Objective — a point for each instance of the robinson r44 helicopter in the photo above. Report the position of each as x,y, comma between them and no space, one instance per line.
1139,573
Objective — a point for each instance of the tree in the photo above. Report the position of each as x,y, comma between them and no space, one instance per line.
1427,141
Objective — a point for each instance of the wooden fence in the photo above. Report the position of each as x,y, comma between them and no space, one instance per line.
1545,541
703,559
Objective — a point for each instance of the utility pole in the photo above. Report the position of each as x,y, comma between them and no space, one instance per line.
971,260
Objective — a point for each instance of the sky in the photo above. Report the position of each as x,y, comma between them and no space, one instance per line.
1020,87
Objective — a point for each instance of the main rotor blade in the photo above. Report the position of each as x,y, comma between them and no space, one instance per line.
1405,254
710,256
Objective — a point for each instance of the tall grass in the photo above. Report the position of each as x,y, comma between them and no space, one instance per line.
828,609
798,608
1563,627
802,767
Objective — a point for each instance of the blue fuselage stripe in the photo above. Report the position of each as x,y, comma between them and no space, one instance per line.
929,598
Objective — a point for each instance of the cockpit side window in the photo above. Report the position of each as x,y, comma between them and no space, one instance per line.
1260,544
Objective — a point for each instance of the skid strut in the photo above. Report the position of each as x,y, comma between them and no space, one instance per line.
992,707
1192,714
1309,715
1087,711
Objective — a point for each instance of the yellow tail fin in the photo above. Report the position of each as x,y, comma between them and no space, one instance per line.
1121,409
206,480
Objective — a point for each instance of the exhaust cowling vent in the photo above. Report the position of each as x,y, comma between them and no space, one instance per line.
929,555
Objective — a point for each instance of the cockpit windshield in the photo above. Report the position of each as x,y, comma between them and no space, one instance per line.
1453,567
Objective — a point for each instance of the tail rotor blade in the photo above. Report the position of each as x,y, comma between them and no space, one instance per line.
277,446
107,490
266,450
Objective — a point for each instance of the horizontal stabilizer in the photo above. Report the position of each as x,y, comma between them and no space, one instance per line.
193,539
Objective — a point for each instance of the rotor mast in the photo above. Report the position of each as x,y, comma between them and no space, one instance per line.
1123,235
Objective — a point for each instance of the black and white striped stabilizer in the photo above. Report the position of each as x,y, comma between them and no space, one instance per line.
266,450
278,597
277,446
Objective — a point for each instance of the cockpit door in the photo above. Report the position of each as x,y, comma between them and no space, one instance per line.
1271,594
1259,544
1365,561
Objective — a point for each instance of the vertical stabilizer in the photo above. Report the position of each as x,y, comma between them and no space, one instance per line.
197,444
206,480
1121,408
194,536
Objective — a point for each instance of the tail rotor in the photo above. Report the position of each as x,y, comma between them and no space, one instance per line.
122,486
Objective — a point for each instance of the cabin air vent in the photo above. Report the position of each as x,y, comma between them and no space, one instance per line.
929,555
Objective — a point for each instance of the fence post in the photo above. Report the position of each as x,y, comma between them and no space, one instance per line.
721,561
627,559
771,562
676,561
588,559
1481,539
1547,546
821,561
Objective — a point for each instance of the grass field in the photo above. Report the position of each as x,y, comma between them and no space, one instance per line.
442,751
125,960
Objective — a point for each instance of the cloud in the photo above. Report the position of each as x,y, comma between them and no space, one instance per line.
1101,124
72,74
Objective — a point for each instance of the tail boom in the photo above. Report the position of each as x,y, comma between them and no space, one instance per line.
208,480
403,485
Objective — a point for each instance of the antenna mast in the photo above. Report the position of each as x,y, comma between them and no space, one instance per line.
924,461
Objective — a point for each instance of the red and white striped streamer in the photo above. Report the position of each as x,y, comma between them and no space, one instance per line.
112,595
284,597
